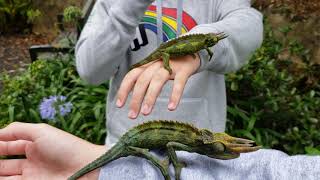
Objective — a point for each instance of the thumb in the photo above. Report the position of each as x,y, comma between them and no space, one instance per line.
20,131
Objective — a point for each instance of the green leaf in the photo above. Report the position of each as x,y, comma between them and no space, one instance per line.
234,86
312,151
35,116
251,123
75,121
11,113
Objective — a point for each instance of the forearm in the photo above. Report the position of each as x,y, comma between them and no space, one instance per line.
243,26
106,37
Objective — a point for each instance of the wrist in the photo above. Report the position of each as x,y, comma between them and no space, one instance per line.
96,152
93,175
203,60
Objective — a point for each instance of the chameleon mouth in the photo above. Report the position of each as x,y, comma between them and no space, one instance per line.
239,145
225,155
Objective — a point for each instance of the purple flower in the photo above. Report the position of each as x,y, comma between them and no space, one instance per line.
50,106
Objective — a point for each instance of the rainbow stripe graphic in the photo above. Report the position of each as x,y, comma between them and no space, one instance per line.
169,16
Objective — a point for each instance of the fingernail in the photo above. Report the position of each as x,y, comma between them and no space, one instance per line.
132,114
118,103
171,106
146,109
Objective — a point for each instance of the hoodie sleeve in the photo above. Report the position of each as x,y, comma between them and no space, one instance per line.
263,164
106,38
244,28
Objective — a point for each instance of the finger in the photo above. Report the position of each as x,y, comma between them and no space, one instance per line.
179,83
11,167
140,89
13,147
127,84
11,178
20,131
154,89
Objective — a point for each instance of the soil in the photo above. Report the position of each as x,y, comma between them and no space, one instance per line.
14,54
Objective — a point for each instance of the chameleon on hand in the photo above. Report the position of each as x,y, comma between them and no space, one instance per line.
182,46
172,136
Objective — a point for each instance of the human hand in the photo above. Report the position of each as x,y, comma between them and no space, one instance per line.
147,81
50,153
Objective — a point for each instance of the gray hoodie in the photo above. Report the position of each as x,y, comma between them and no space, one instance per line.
264,164
122,32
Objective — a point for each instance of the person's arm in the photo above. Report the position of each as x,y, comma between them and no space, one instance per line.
50,153
106,38
244,28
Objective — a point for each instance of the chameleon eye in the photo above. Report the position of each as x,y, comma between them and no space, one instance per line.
218,147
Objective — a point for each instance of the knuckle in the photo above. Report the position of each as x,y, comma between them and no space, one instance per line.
121,92
137,89
178,88
14,124
135,99
175,98
149,101
130,76
2,165
42,126
164,71
134,105
158,77
127,79
134,70
141,83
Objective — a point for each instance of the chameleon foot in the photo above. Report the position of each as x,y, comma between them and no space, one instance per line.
177,168
165,58
178,165
165,163
144,153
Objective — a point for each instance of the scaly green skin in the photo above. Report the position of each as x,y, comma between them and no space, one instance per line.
182,46
172,136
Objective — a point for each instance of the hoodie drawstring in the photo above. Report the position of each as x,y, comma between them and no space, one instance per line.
179,17
159,20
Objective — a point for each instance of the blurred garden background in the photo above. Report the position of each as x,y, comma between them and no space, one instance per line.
274,99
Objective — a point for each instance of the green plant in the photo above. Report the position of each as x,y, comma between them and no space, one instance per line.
22,95
273,102
72,14
33,15
17,15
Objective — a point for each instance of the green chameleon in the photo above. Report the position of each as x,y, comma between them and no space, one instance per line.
172,136
182,46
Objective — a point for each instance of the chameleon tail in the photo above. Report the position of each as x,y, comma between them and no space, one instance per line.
113,154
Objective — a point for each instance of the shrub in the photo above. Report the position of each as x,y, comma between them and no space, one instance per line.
273,101
22,95
72,13
17,15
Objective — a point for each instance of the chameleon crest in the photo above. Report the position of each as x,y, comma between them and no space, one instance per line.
182,46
